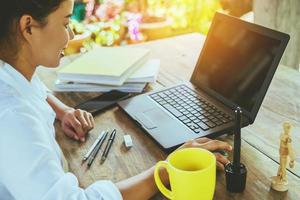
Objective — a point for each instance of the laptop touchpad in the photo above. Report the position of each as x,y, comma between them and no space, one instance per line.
150,118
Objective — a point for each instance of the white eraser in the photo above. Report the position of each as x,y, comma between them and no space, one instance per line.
128,141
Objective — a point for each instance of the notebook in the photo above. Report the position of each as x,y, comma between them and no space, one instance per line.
104,65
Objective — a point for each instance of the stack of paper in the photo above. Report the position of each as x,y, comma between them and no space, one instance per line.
108,68
89,87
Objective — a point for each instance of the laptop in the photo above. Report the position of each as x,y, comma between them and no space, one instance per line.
234,69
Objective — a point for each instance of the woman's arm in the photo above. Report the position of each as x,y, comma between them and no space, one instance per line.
59,107
142,186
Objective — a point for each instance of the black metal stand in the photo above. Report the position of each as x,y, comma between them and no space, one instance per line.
236,172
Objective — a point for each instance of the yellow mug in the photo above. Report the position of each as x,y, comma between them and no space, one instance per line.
192,174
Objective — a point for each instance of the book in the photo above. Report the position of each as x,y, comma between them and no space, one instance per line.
89,87
146,73
136,83
105,65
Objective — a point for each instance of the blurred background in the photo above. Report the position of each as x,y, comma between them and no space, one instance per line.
119,22
122,22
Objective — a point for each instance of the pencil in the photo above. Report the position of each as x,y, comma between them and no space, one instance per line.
97,148
87,155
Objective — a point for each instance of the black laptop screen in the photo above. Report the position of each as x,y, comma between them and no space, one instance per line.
235,63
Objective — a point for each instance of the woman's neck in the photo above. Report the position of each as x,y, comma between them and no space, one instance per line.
24,65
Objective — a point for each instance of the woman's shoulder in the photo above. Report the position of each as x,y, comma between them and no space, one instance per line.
9,94
12,104
9,103
9,99
16,112
19,121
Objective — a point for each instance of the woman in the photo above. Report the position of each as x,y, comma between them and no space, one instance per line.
33,33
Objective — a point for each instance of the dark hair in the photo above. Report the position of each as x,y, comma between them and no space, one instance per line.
13,10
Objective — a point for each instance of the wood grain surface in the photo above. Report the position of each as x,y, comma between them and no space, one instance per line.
178,57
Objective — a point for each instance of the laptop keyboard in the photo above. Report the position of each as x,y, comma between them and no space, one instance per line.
191,109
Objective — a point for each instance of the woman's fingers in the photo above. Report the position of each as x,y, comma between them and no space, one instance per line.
70,132
76,124
79,122
216,145
220,166
80,116
191,143
202,139
87,123
88,120
222,159
92,119
208,144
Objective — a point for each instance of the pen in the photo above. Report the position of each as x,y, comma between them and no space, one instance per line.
87,155
108,145
97,148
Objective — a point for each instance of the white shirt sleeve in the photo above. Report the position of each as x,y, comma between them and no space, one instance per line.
31,169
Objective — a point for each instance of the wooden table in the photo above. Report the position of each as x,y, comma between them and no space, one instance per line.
260,143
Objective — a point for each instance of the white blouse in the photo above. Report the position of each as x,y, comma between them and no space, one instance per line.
30,158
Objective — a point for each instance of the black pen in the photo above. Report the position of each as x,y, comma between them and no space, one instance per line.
108,145
97,148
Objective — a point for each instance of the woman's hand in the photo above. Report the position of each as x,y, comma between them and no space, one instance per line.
211,145
77,123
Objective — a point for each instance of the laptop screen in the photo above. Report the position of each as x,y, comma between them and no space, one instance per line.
235,61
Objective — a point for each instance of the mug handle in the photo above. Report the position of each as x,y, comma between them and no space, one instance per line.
168,193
